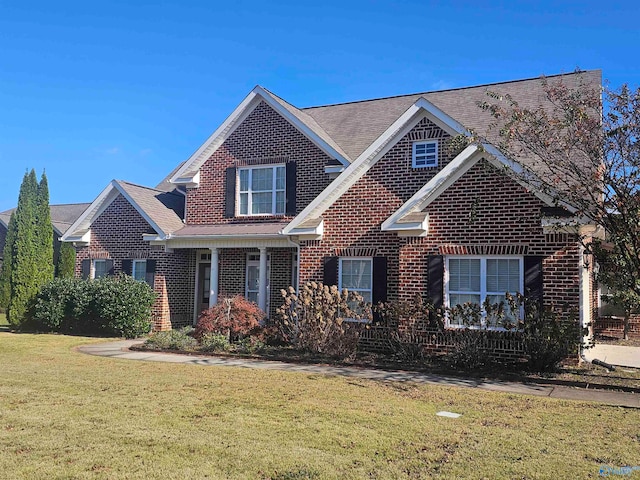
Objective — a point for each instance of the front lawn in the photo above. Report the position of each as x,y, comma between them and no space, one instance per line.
69,415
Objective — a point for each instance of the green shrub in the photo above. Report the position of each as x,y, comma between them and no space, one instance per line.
119,306
214,342
172,340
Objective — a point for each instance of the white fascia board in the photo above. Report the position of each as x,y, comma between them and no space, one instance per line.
524,177
303,128
307,233
216,139
434,187
409,229
359,167
83,239
94,210
444,121
334,169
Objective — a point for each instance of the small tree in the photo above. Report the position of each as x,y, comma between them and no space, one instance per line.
24,268
586,153
5,272
66,261
43,234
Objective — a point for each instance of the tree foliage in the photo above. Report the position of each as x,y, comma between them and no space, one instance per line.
66,265
28,252
584,142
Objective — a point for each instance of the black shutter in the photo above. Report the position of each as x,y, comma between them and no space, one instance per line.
86,269
151,272
435,289
533,279
126,266
379,293
291,188
109,267
330,276
230,193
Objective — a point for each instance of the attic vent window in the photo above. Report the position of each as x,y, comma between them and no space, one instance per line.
425,154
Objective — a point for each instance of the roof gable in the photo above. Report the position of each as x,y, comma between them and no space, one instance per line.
188,172
162,210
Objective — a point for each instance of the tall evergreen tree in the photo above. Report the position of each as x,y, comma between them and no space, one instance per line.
5,273
66,261
24,266
43,234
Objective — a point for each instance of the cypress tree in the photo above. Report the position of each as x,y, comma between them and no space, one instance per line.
66,261
24,267
43,234
5,273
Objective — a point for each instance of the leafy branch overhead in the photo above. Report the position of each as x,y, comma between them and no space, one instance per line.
582,147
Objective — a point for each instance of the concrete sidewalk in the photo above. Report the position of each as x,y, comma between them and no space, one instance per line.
120,350
615,355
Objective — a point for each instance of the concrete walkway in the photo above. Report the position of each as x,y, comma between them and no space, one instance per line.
120,350
615,355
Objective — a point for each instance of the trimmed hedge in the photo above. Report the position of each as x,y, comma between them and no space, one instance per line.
111,306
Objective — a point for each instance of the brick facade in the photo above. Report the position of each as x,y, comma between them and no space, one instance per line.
117,235
263,138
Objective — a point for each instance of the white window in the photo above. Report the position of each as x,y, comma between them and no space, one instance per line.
99,268
262,190
425,154
139,270
473,280
356,275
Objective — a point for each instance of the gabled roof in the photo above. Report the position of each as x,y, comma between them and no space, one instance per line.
188,173
162,210
62,215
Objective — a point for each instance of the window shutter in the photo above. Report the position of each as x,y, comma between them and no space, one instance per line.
151,272
109,267
379,293
533,278
330,276
230,193
127,267
291,188
86,269
435,289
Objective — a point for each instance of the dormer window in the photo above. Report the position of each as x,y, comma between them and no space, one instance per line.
425,154
262,190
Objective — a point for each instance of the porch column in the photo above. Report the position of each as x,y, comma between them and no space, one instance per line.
262,283
213,282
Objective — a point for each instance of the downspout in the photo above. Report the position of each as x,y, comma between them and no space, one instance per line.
584,299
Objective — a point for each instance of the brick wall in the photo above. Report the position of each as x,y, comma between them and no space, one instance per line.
483,212
117,235
263,138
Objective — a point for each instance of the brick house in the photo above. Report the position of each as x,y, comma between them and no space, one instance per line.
380,196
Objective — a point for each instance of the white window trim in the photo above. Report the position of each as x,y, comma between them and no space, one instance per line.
274,191
414,163
133,269
483,286
358,290
93,267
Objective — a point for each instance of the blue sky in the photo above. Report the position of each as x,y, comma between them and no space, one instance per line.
92,91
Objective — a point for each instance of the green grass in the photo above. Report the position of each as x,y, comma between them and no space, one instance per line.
64,414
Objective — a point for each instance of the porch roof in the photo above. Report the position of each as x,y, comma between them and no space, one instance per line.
231,230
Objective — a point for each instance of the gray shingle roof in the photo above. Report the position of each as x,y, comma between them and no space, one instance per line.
354,126
62,215
166,209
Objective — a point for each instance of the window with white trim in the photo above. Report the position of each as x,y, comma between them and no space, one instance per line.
262,190
356,275
473,279
139,270
425,154
99,268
